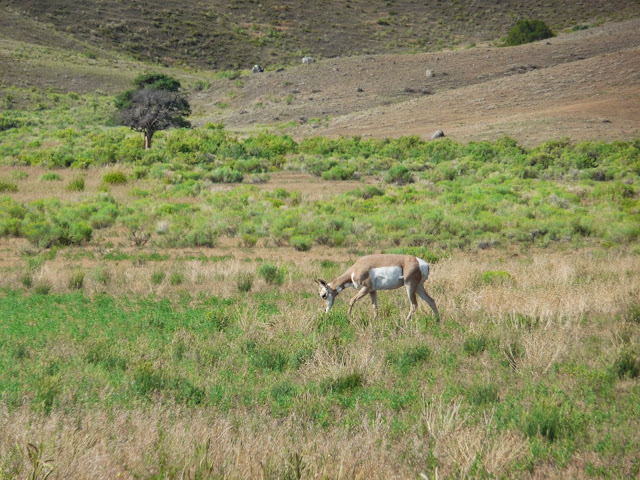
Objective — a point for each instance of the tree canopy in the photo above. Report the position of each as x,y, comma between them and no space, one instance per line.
156,104
527,31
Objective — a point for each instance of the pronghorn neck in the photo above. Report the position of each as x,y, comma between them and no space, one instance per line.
342,282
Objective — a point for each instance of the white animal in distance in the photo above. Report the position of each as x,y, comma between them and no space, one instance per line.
381,272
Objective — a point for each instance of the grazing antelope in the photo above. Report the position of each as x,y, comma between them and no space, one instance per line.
381,272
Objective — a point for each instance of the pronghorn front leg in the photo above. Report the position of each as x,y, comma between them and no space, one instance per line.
363,291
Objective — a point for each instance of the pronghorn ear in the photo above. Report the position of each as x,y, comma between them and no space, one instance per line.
321,282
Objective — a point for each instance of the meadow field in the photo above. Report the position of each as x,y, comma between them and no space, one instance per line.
159,316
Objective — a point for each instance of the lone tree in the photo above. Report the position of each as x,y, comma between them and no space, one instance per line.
156,104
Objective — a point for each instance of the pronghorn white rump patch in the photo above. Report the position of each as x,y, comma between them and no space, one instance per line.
386,278
424,268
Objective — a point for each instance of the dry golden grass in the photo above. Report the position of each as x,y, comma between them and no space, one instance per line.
565,293
144,441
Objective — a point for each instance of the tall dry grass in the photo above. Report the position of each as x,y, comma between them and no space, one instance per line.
549,304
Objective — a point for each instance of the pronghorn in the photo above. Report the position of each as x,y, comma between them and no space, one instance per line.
381,272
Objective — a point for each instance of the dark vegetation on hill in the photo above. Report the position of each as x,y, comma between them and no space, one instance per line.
236,34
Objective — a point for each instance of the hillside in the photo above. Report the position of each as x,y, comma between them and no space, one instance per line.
583,84
236,34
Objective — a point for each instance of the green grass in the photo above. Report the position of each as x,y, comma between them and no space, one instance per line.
202,353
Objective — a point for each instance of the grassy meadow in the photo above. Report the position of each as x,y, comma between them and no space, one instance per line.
532,372
159,318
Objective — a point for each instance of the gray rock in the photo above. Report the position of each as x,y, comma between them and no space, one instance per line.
257,69
437,134
308,60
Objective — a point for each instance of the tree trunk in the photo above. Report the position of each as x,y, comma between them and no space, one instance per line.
147,140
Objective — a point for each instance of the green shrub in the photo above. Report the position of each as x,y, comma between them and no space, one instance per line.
7,123
371,191
101,275
76,281
186,392
140,172
499,277
42,288
76,185
8,187
50,177
176,278
146,380
398,174
267,358
527,31
245,282
27,280
114,177
339,172
407,358
513,354
226,175
105,217
301,243
627,364
343,384
544,419
202,235
283,392
19,175
248,240
474,344
79,232
158,277
632,312
271,274
482,394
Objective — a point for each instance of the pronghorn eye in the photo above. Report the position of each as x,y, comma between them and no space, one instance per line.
324,295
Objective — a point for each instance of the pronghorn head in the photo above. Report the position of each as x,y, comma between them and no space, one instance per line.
327,294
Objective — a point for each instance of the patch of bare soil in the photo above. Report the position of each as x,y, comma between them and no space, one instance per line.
582,85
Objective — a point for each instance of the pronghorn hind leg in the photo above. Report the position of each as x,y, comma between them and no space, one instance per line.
374,300
411,292
430,301
363,291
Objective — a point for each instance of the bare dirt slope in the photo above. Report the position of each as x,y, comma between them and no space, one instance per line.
582,85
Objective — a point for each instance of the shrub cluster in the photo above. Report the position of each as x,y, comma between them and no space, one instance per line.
527,31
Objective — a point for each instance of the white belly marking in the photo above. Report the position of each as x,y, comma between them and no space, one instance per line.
386,278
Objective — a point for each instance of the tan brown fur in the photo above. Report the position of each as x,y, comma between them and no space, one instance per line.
360,274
